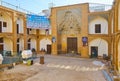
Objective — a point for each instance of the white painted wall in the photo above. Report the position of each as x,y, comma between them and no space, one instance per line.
44,42
119,17
8,44
43,32
33,43
21,43
33,31
1,18
21,26
50,31
101,44
98,20
6,18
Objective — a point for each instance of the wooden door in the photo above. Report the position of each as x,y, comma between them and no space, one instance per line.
18,48
48,49
1,46
1,49
29,46
0,26
72,45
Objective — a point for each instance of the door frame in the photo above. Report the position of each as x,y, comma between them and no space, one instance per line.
94,51
1,48
49,48
74,44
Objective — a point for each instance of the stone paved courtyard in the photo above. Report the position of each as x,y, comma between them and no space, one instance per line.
56,68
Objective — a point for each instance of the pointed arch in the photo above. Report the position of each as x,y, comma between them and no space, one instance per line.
33,43
5,18
20,44
29,44
101,44
20,27
98,20
8,44
44,42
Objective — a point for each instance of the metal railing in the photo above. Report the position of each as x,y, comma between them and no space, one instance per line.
17,8
10,57
95,7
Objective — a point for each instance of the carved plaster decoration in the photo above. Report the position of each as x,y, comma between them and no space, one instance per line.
69,21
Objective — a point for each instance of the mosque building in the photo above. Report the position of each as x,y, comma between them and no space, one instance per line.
81,29
15,36
89,30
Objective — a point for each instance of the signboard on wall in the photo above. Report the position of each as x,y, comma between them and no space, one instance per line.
85,41
37,22
53,39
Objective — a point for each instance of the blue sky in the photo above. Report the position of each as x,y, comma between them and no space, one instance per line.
37,6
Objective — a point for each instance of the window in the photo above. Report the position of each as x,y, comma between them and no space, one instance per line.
17,28
29,43
97,28
4,24
29,40
28,31
18,40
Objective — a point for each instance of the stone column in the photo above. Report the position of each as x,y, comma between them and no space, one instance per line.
14,30
25,33
54,32
38,40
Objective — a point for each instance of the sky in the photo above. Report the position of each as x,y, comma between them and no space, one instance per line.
37,6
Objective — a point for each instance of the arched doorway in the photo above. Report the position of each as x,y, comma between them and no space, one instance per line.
19,25
98,47
5,23
20,44
45,44
6,46
31,43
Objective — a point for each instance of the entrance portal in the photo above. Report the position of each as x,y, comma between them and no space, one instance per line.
1,49
48,49
94,52
72,45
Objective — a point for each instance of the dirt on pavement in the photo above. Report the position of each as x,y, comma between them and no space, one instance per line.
56,68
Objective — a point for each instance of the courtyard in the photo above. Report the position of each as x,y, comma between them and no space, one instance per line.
56,68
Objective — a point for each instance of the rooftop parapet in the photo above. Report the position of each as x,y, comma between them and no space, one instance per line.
14,7
95,7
